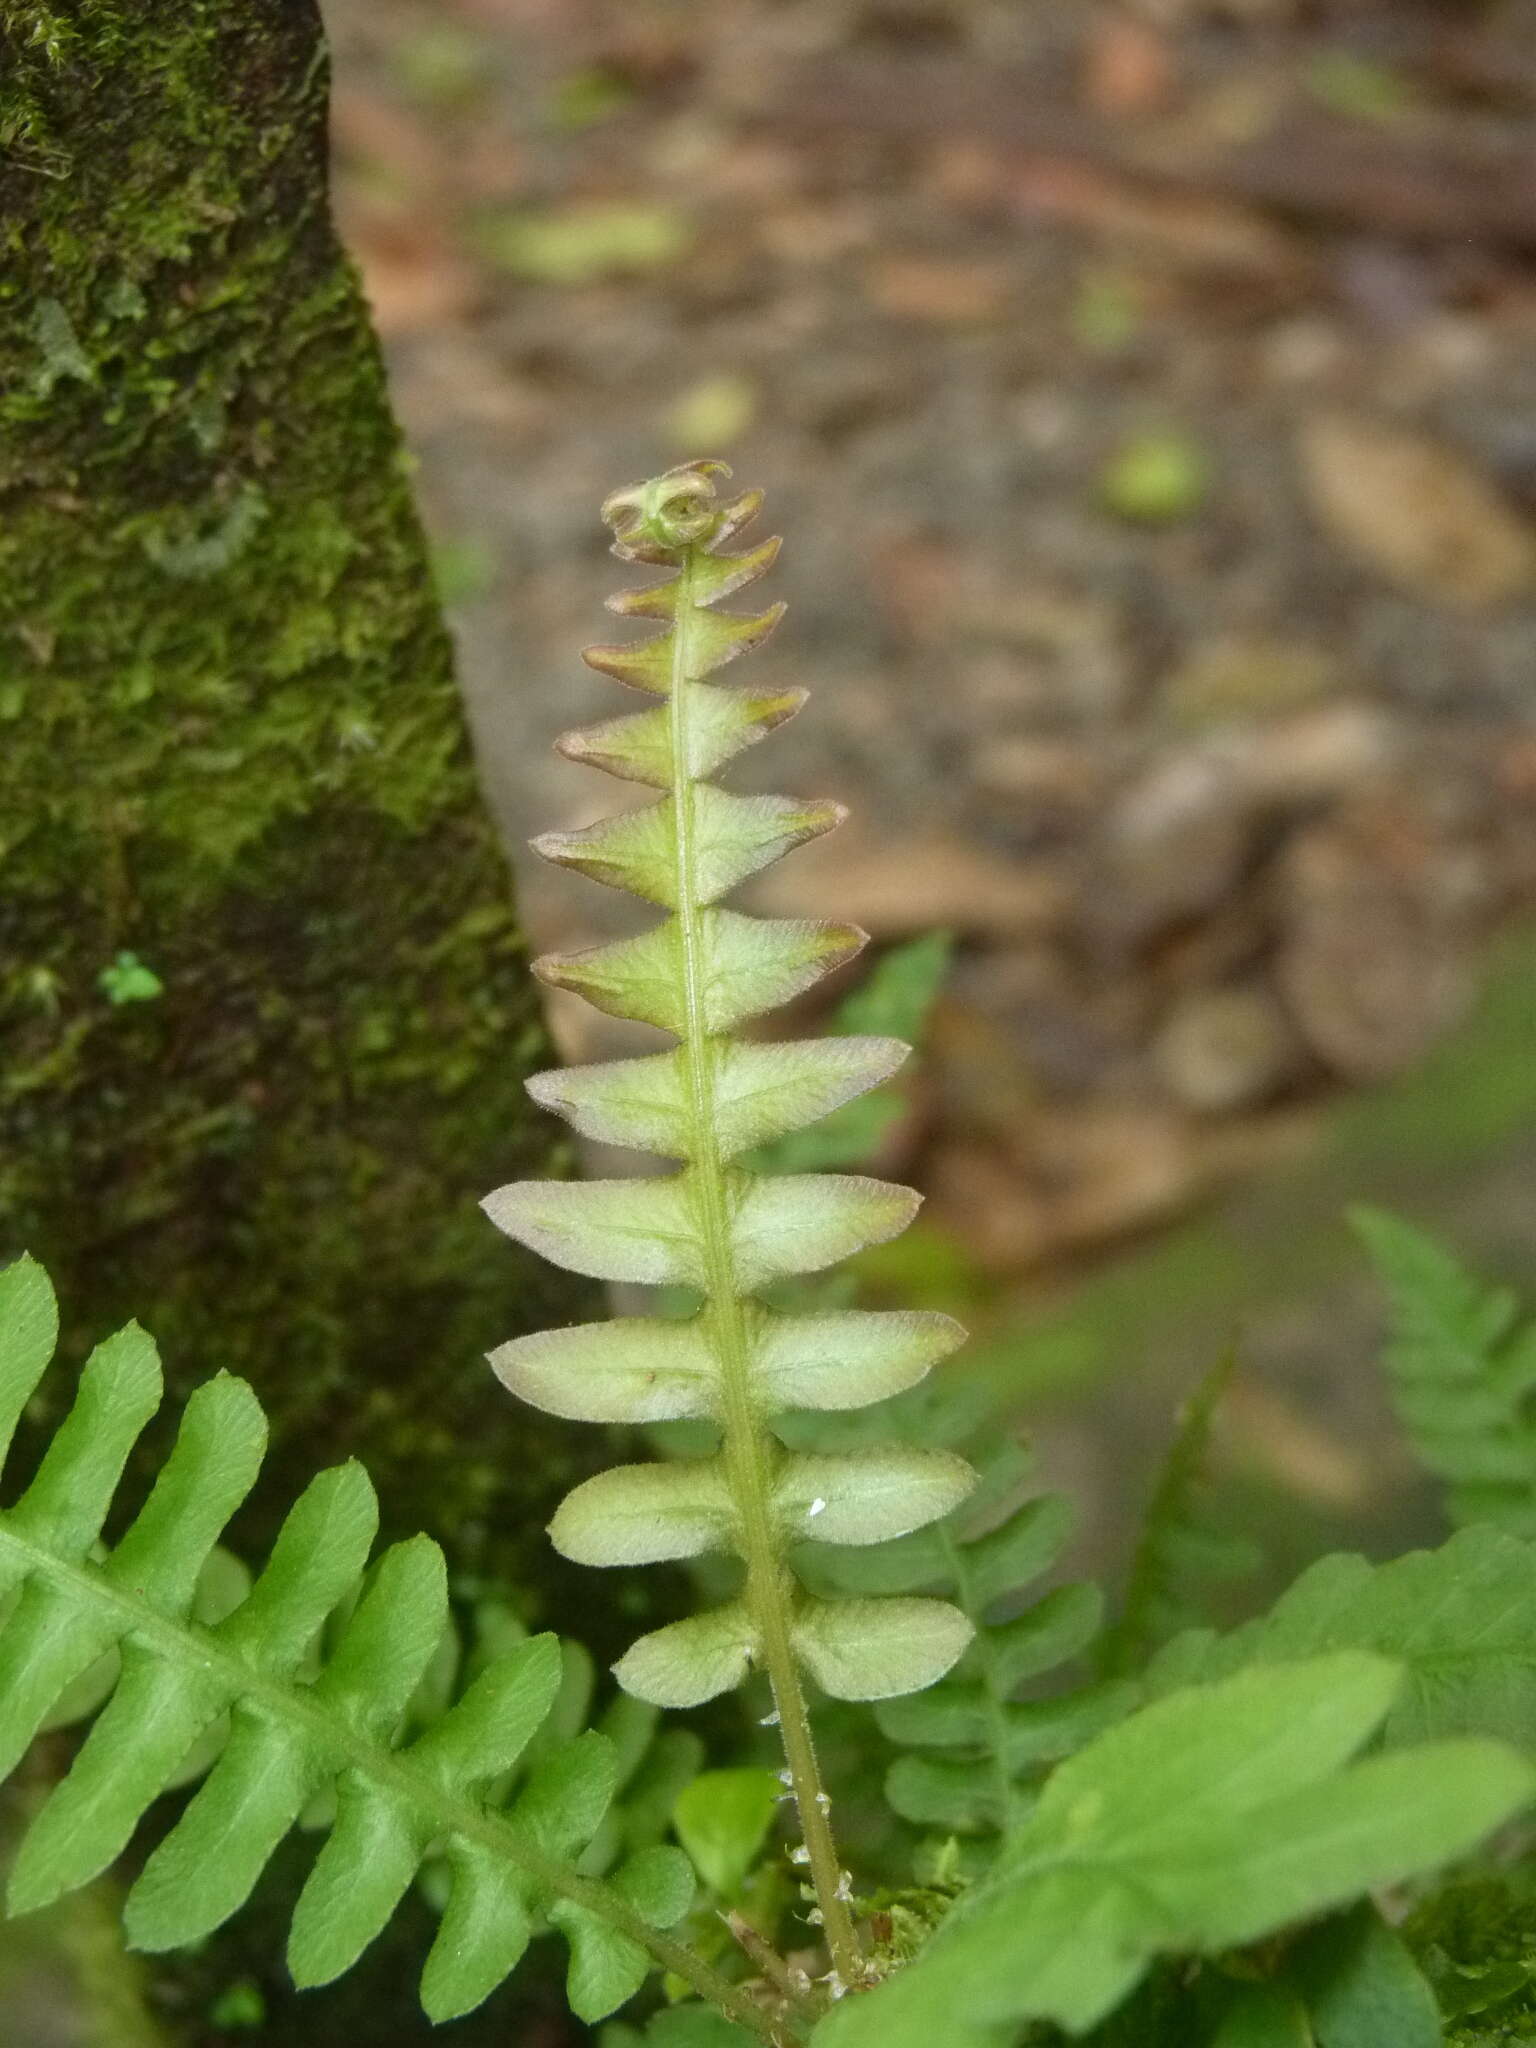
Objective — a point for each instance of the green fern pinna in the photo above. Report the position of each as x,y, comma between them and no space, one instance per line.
1185,1854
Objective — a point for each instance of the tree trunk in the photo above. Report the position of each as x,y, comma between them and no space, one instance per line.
263,997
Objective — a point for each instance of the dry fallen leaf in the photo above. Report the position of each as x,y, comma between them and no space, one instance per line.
414,281
1249,676
946,292
1223,1049
1372,965
1414,510
1127,68
916,885
1306,1458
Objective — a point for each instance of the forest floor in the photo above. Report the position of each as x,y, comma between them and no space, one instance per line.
1147,394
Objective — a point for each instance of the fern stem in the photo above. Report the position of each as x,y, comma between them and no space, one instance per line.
750,1451
787,1978
187,1645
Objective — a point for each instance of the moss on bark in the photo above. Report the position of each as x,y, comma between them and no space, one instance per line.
263,998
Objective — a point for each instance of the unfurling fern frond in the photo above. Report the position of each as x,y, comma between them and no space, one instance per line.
980,1748
1462,1363
295,1730
715,1226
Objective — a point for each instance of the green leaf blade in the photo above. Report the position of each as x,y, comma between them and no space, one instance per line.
691,1661
802,1223
1328,1843
363,1871
869,1496
128,1758
1210,1819
872,1649
486,1732
484,1935
118,1392
1361,1986
1461,1620
194,1668
634,1369
29,1331
645,1514
847,1359
217,1455
639,1230
205,1868
1463,1373
722,1820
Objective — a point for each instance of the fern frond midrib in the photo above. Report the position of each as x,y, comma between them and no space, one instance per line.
750,1451
744,1446
186,1644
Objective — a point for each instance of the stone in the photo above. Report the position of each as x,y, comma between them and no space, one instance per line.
1415,511
1226,1049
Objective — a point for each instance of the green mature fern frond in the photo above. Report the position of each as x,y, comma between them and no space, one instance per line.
296,1728
1179,1550
1462,1362
716,1226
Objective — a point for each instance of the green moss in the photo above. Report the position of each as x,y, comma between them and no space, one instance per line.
1476,1941
231,749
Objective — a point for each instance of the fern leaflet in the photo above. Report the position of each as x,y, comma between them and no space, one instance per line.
893,1001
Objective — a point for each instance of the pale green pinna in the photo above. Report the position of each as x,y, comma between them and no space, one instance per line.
716,1226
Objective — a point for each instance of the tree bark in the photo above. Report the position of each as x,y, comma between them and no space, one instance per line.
263,997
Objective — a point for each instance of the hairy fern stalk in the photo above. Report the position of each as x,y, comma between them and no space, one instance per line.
714,1225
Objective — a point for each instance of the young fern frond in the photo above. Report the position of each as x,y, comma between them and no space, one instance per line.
1179,1550
1462,1363
980,1749
715,1226
293,1733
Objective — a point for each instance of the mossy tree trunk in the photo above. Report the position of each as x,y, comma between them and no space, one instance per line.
263,998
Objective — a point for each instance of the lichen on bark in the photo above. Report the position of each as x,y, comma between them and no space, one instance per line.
263,1002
